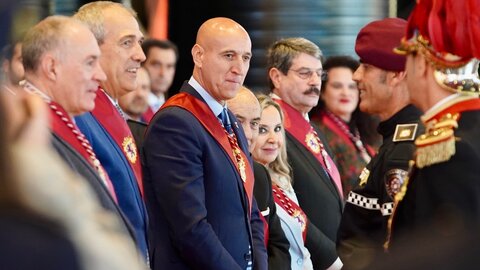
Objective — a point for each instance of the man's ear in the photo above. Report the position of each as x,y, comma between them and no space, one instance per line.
395,77
421,65
49,66
5,66
197,55
275,76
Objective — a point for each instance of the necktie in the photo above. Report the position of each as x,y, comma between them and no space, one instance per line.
226,121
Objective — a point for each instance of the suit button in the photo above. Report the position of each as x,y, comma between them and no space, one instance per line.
299,261
248,257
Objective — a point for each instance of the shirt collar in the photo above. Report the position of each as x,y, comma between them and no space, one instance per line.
155,102
275,96
214,105
441,102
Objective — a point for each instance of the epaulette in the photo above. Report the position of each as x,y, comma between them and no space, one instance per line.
405,132
438,143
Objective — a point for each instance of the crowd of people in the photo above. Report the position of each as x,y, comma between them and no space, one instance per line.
340,164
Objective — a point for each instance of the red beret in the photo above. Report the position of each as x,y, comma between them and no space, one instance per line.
376,41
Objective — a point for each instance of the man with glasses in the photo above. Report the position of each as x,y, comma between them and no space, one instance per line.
295,75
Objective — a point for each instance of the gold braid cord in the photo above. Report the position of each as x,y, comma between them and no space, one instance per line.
438,143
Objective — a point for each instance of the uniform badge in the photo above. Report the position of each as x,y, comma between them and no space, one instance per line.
312,142
364,177
394,179
130,149
405,132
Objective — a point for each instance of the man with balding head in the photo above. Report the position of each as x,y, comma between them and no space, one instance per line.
246,108
199,180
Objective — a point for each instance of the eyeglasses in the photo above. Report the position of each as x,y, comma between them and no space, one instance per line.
306,74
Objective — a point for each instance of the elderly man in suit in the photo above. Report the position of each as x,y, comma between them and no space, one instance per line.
61,60
199,179
295,72
119,37
247,110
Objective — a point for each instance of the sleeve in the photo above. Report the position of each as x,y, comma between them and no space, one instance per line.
277,246
278,255
175,164
260,257
321,247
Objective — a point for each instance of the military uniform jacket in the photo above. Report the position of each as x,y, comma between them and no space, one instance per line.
368,206
442,199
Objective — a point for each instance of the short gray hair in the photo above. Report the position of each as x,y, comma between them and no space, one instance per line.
92,15
44,37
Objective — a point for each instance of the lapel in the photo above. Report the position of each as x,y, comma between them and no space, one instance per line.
242,141
60,143
313,162
187,88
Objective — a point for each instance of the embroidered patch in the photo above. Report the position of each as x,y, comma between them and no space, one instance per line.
394,179
405,132
130,149
312,142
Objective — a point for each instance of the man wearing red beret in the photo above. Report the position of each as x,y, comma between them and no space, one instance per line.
440,203
383,89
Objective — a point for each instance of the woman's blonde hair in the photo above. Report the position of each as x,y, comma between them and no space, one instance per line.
280,165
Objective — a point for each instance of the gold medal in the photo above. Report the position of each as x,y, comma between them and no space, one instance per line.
312,142
130,149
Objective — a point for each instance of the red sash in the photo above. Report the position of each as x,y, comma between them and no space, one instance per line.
210,122
265,229
327,121
330,123
109,117
307,136
148,115
291,208
60,121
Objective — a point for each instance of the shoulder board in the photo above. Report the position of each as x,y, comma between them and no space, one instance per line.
438,143
405,132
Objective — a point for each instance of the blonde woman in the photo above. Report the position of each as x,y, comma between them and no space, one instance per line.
270,151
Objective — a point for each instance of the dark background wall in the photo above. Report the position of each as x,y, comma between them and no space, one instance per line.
332,24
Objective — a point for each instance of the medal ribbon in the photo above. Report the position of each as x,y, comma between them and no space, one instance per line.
291,207
229,143
308,137
110,119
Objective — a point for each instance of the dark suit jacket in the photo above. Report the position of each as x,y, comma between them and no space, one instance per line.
79,165
138,131
123,178
319,199
195,197
30,242
277,246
